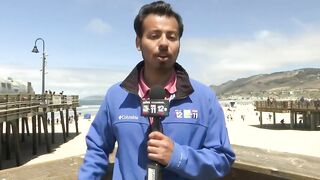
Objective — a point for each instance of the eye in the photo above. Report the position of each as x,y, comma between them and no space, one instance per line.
172,36
153,35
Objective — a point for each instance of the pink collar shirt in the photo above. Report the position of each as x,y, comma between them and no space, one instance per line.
170,86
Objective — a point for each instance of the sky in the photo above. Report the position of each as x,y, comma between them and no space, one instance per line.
90,44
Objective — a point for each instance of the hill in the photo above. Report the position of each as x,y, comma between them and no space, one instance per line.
287,84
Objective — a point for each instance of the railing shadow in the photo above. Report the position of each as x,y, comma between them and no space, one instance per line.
26,149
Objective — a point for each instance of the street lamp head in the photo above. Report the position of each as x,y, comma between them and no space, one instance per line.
35,49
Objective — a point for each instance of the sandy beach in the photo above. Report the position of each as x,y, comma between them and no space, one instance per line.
292,141
248,133
242,131
75,145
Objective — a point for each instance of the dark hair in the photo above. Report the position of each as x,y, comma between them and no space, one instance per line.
159,8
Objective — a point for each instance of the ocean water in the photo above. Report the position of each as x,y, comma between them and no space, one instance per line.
88,109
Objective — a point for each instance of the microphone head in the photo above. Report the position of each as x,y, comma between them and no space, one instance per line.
157,92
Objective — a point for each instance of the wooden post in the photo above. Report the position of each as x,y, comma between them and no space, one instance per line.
260,118
62,125
67,122
312,121
1,134
7,140
27,126
39,129
34,135
76,119
17,123
291,119
22,129
274,117
318,118
308,122
45,129
24,126
1,131
16,142
304,117
52,127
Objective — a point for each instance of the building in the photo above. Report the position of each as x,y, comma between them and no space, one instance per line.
8,86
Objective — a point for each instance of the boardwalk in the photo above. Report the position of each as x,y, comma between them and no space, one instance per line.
19,108
310,111
251,163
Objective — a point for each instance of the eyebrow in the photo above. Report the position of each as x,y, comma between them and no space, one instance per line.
169,31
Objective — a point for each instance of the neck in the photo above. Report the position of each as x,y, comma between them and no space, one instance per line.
157,77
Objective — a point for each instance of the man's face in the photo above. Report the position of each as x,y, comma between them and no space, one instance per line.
160,42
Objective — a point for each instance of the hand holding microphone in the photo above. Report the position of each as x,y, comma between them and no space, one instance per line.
160,146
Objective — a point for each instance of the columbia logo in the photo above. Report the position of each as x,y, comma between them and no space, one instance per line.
127,117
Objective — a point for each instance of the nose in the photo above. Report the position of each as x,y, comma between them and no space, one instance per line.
163,43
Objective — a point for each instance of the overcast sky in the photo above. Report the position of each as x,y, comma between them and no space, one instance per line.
91,43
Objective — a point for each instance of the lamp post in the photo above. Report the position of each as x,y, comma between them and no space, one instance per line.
35,50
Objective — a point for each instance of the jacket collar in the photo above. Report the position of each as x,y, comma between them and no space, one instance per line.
184,87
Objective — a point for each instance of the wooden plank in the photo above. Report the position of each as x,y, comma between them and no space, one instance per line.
278,164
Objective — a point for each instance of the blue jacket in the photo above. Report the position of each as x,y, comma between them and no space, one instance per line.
195,123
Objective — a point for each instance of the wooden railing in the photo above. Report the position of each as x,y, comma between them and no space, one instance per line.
14,106
312,105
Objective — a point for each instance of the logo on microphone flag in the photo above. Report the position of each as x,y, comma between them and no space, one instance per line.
194,114
179,113
186,114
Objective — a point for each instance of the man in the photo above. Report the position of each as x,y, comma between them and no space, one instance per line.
194,143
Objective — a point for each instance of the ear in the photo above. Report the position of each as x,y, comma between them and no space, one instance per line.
138,42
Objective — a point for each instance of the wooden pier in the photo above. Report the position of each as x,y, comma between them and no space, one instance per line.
19,108
310,111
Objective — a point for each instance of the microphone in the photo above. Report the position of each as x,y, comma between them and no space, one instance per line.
156,108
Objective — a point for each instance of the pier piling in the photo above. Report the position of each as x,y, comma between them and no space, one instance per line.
16,108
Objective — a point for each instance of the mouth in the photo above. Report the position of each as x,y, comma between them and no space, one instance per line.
163,57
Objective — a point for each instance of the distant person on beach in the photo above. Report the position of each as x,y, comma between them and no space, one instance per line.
270,116
242,117
194,143
300,123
